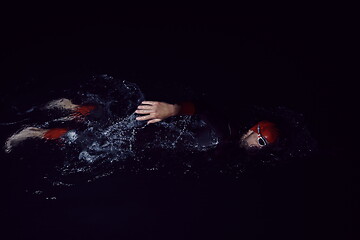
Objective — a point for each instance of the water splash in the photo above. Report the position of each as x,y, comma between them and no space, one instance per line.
116,141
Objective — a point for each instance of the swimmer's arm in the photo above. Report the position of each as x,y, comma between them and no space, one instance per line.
154,111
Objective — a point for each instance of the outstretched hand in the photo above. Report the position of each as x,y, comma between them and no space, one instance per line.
154,111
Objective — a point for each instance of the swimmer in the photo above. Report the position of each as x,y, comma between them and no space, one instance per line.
261,135
106,120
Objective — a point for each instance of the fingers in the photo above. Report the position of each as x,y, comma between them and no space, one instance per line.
148,108
149,102
149,117
146,117
144,111
145,107
154,121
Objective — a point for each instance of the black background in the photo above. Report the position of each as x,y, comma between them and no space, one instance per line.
264,55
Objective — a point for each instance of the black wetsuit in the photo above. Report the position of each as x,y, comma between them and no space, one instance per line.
227,125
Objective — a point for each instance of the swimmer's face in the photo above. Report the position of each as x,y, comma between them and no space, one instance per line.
250,141
262,134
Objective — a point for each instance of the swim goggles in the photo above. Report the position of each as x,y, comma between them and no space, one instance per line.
261,140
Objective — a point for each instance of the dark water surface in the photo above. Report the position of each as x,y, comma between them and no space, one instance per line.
231,61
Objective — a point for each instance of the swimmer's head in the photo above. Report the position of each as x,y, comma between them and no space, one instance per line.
283,136
264,134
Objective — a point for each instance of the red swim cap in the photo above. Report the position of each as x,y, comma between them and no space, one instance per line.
268,130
